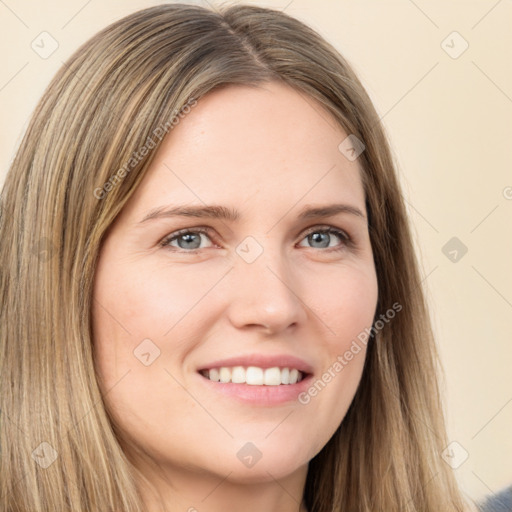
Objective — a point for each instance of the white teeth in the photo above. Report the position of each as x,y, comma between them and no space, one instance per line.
225,374
214,375
272,377
238,374
254,376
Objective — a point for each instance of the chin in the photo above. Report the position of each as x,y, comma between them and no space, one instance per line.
256,462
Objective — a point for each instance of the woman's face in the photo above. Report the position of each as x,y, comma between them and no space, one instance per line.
245,245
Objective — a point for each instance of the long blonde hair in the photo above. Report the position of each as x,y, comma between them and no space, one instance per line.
59,449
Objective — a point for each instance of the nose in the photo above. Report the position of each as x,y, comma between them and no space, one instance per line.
265,295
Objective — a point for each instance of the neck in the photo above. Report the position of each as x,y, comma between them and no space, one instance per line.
180,489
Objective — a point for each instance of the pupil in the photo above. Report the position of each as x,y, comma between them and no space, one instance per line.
317,237
190,241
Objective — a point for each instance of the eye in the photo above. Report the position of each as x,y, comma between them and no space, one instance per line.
324,238
188,239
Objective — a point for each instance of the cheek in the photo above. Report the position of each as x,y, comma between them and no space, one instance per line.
148,300
146,309
132,311
352,309
346,302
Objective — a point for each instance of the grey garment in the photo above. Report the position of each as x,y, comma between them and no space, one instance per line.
499,502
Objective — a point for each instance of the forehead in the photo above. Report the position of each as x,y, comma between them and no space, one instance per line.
243,144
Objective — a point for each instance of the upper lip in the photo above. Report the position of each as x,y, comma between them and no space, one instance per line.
262,361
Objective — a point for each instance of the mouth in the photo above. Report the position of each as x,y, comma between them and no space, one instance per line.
257,379
256,386
254,375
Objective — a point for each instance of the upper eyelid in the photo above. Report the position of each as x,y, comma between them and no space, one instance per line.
325,227
175,234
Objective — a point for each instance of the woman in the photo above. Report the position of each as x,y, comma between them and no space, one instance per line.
210,298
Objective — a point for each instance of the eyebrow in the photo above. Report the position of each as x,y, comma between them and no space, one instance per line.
230,214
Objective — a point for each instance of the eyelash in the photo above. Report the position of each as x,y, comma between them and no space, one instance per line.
345,239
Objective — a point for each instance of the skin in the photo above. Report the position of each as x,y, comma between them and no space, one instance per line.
267,152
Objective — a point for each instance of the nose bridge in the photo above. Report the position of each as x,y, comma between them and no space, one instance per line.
265,288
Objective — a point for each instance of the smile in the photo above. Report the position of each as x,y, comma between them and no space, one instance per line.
254,375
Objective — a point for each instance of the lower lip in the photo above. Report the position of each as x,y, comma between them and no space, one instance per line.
259,395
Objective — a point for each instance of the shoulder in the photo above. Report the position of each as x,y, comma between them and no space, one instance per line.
499,502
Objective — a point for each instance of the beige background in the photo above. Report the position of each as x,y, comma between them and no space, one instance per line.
450,125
